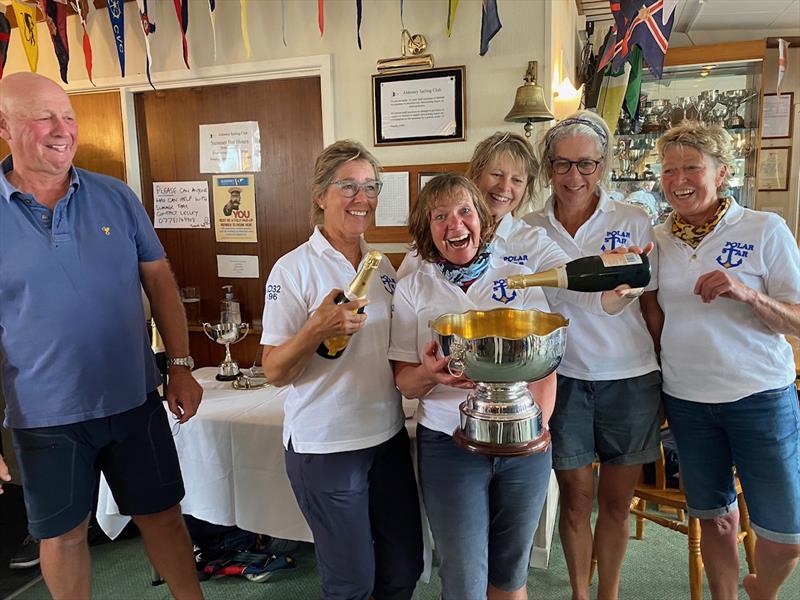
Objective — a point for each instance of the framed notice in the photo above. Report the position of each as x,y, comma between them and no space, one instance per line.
419,108
776,118
773,169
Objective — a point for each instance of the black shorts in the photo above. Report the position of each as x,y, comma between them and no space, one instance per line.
60,467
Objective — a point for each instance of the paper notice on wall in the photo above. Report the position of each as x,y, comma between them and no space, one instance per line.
230,147
181,205
241,265
234,209
392,208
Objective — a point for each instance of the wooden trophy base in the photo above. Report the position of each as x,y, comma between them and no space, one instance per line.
540,444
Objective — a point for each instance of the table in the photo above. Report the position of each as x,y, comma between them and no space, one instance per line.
231,455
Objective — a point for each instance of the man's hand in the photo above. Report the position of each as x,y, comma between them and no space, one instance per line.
183,394
4,474
720,283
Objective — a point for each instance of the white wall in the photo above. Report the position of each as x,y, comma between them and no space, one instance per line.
491,80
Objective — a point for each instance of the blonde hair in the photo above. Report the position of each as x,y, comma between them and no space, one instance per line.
711,140
584,123
438,188
326,165
518,148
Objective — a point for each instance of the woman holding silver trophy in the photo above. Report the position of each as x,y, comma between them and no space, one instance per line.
729,284
347,450
609,385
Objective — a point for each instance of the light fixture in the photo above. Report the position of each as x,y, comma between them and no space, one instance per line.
412,57
529,104
566,100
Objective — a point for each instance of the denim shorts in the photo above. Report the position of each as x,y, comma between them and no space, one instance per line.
483,512
760,434
60,467
616,420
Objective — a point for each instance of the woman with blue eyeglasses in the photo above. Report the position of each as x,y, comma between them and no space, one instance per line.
609,385
346,447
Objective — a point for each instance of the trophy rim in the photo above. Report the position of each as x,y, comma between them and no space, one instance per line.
453,324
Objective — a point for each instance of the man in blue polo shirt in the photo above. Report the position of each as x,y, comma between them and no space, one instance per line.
78,374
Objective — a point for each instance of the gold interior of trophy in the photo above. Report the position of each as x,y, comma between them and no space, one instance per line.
502,322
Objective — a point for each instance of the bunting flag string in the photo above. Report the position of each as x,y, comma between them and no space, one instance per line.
116,15
81,8
283,22
490,23
182,12
321,17
245,34
452,6
148,28
55,14
358,22
5,36
26,20
212,5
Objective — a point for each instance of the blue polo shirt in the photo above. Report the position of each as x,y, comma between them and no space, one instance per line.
72,331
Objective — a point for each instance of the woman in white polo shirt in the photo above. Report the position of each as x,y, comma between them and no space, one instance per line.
608,381
347,449
729,284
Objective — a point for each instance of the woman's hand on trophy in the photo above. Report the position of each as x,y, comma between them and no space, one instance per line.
331,319
439,370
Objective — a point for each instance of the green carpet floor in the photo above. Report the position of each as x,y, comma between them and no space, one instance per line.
655,569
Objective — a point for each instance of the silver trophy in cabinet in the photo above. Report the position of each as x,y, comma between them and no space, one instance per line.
227,334
502,351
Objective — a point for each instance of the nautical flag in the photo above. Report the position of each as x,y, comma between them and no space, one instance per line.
148,28
245,34
321,17
212,4
116,14
182,12
634,88
645,30
5,36
81,8
452,6
669,8
612,94
783,59
26,20
55,14
490,23
283,22
358,22
607,49
402,23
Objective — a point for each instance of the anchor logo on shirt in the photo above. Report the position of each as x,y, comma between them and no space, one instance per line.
500,293
615,238
733,254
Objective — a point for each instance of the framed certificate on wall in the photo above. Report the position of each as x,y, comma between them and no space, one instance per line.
776,118
773,169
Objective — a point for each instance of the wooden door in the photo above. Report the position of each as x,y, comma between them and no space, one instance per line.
290,121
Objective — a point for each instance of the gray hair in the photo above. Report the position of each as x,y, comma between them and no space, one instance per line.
584,123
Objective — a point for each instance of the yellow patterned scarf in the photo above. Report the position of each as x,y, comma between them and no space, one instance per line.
694,234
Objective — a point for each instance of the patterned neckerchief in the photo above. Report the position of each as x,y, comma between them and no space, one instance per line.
464,275
694,234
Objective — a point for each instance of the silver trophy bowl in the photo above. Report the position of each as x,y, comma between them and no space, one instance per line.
227,334
502,351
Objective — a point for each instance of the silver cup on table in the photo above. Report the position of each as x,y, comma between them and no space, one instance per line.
501,350
227,334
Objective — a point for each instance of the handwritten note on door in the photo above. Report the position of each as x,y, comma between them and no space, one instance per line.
181,205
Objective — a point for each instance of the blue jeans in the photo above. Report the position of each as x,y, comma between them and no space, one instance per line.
483,513
760,434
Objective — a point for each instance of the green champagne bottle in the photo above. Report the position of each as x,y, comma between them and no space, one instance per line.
591,274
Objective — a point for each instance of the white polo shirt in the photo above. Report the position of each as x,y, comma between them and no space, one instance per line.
602,347
339,404
515,241
721,351
425,295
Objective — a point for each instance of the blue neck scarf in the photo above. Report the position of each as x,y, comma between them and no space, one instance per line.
464,275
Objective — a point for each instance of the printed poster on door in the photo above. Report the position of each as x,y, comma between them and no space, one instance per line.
234,208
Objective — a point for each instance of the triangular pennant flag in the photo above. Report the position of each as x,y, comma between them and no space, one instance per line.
452,5
212,5
358,22
5,36
634,82
783,59
245,34
81,8
490,23
182,12
669,8
55,14
607,49
612,94
402,22
116,15
26,21
148,28
283,22
321,17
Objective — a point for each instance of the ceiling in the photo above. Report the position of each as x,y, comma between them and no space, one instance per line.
714,15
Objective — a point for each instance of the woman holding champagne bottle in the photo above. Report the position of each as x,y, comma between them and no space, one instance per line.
609,384
729,284
326,327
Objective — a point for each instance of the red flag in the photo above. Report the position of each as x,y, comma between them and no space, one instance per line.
55,14
81,8
5,36
182,12
321,16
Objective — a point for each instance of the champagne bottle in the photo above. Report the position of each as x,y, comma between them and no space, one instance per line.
333,347
591,274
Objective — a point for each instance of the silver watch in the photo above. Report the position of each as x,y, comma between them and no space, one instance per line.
184,361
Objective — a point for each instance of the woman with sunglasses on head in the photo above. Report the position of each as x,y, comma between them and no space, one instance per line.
609,385
346,447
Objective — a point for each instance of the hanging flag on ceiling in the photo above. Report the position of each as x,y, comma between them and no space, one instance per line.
5,36
26,20
607,49
148,29
321,17
644,28
452,6
634,89
612,94
212,5
283,22
116,15
669,8
81,8
182,12
245,34
55,15
358,22
490,23
402,23
783,59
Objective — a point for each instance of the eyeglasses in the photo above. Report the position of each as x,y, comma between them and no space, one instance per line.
350,188
586,166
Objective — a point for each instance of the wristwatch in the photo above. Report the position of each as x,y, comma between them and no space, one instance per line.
183,361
